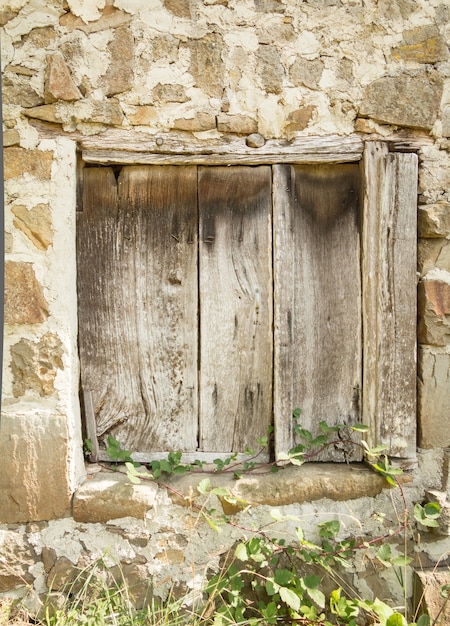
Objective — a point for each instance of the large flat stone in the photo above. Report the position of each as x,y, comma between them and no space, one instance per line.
24,300
434,397
108,496
34,480
19,161
410,99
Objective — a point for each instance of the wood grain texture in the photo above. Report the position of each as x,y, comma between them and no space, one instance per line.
137,256
317,298
389,298
235,306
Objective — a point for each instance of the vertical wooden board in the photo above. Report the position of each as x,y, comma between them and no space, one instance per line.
317,299
141,322
390,234
235,306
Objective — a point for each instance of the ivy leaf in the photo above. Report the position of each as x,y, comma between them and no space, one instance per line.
360,428
396,619
241,552
290,598
204,486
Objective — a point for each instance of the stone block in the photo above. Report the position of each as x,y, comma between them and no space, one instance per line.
34,365
298,120
433,253
307,73
11,138
24,300
180,8
16,90
35,223
433,220
46,113
270,68
434,312
423,44
142,115
201,121
34,480
434,398
238,124
445,119
19,161
169,93
207,67
427,594
111,496
120,72
394,99
58,83
17,557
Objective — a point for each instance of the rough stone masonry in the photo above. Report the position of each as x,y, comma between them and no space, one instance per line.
205,69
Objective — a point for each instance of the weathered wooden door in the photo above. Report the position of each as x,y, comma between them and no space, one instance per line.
176,329
215,300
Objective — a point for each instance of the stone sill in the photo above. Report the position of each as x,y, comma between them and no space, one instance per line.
108,495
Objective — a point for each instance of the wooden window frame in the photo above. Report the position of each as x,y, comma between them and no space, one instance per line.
389,172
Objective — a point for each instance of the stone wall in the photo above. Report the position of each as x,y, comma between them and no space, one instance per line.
206,70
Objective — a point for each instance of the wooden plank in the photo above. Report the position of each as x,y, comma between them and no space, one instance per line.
389,299
182,144
137,254
235,307
317,299
238,158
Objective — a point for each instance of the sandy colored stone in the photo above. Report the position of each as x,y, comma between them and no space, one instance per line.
62,574
16,90
11,138
239,124
58,83
169,93
434,398
138,582
298,120
180,8
270,69
34,483
307,73
119,76
46,113
434,312
200,122
433,253
270,6
17,556
394,99
290,485
24,300
111,496
433,220
106,112
34,365
206,66
35,223
19,161
143,115
423,44
427,594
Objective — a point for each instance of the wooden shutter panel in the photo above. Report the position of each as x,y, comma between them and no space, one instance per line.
235,208
389,298
137,254
317,298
